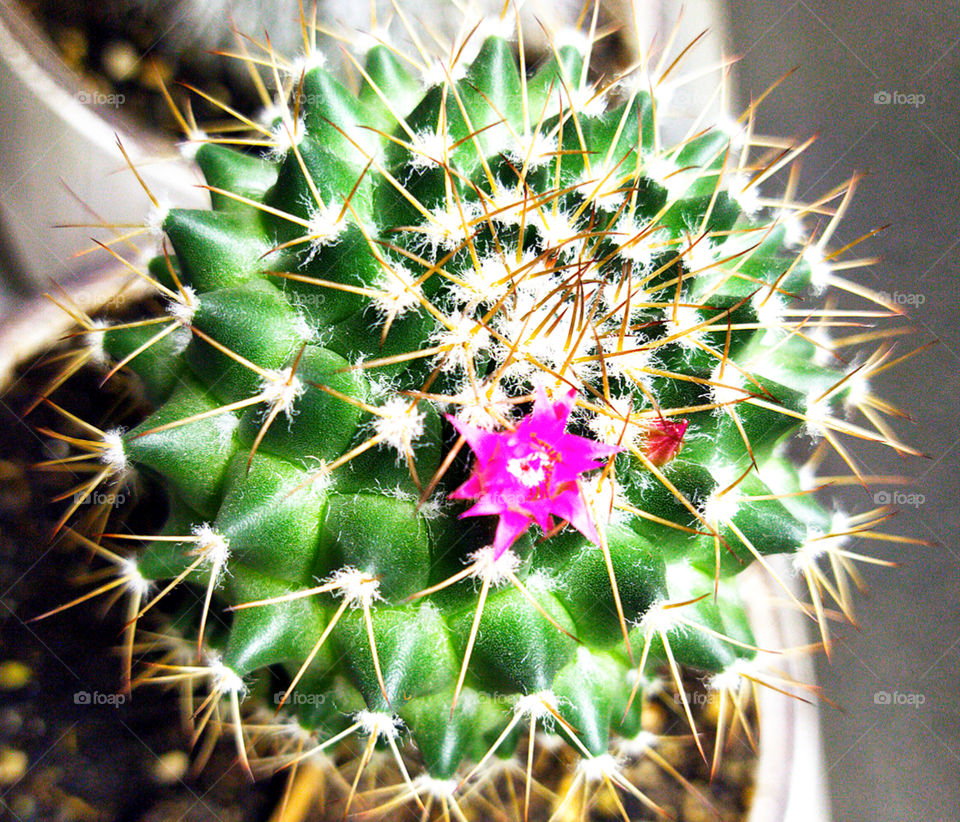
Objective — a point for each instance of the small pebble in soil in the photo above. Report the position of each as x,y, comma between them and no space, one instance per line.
695,810
11,721
13,766
674,751
36,726
170,767
14,675
121,62
14,487
23,807
73,46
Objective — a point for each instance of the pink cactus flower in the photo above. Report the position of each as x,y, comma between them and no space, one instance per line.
531,473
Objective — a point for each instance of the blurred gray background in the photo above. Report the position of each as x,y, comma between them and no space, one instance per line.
897,761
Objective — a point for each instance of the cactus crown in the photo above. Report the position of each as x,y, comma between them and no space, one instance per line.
471,400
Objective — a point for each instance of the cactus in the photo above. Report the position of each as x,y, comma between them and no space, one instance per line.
470,402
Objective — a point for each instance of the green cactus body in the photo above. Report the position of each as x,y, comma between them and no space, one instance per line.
402,253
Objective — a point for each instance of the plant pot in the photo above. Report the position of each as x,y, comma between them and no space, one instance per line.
63,137
790,783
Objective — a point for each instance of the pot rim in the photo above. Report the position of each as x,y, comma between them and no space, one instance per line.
31,55
77,135
30,326
789,781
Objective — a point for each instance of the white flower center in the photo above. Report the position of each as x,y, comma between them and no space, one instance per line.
531,470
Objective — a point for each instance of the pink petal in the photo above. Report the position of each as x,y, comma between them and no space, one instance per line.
571,506
510,527
481,441
470,489
553,415
541,510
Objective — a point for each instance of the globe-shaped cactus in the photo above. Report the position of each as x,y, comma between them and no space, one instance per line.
471,400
